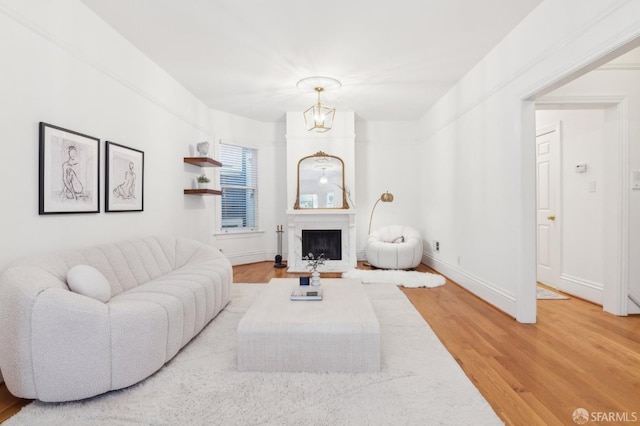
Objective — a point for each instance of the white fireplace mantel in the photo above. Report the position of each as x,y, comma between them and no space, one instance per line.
343,219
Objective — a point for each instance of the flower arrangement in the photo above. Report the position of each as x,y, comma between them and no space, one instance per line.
314,261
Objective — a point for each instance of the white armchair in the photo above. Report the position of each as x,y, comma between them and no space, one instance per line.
394,247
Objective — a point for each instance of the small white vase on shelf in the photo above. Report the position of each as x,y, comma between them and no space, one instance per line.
315,278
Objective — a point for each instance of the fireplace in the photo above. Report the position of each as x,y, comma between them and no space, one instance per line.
322,241
334,232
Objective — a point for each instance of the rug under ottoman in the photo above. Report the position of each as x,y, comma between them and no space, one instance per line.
341,333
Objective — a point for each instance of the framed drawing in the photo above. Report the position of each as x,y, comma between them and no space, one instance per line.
69,176
124,179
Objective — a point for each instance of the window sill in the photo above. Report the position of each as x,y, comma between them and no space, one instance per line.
244,233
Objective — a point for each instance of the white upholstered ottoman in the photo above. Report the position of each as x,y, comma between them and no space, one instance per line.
339,334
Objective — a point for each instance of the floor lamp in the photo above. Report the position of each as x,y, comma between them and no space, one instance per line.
387,197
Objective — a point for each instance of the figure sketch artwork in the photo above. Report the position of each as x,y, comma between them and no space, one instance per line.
124,179
69,171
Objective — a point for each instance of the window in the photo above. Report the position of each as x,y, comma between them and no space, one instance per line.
239,184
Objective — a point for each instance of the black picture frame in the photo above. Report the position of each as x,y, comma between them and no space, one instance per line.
69,171
124,179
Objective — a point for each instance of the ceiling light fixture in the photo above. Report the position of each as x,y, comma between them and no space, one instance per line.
319,118
323,179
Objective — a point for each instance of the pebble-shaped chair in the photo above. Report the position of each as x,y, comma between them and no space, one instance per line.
394,247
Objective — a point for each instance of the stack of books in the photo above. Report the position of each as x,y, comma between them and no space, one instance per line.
306,293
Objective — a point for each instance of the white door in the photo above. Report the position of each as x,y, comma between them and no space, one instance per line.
548,196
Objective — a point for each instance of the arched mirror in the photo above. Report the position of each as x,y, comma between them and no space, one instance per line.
321,183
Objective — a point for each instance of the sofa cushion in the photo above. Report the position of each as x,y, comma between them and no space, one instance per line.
88,281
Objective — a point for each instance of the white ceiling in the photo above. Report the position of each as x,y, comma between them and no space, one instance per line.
394,58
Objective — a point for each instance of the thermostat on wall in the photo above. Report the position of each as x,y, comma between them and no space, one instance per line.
581,168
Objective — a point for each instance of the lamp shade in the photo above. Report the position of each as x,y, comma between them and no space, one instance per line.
387,197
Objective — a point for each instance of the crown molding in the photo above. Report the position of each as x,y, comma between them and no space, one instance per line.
619,67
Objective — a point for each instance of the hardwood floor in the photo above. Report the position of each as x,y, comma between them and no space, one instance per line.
575,356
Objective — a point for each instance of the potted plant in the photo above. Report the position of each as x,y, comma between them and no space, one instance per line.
203,181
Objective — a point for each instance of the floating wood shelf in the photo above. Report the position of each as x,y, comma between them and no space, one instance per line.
202,161
202,192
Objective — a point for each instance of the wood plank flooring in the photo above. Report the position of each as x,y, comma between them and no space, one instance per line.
575,356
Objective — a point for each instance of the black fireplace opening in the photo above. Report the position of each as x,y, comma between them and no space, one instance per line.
318,241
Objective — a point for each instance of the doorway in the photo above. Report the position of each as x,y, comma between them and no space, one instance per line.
601,178
581,231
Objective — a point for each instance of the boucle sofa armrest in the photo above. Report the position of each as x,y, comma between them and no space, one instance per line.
48,329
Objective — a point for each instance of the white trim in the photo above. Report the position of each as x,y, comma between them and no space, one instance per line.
619,67
618,304
244,258
236,234
578,102
485,290
526,257
584,289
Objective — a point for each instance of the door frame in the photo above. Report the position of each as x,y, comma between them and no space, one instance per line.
616,285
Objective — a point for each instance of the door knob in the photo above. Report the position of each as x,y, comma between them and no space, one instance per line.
551,217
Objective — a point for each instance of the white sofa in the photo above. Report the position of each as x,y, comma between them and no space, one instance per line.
394,247
59,345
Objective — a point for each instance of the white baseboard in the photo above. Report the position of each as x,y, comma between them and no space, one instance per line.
361,255
486,291
579,287
252,257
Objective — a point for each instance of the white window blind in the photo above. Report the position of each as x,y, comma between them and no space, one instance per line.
239,184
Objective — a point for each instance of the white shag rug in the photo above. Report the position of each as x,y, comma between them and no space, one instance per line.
404,278
420,383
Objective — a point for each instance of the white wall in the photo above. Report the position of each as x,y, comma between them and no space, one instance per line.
581,211
269,140
480,136
64,66
388,158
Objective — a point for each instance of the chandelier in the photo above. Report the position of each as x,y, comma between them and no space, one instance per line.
319,118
